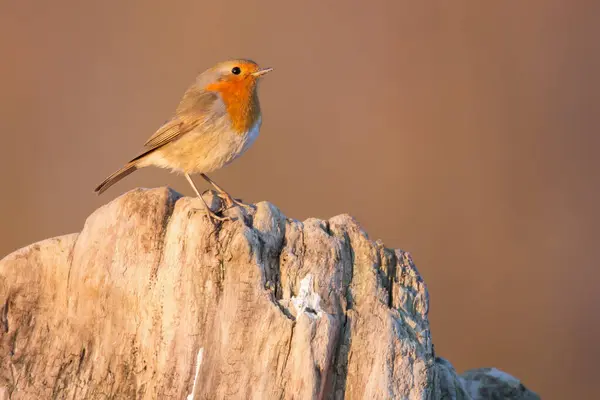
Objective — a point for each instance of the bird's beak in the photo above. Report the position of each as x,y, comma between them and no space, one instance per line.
261,72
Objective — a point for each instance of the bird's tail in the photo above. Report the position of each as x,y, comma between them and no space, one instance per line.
117,176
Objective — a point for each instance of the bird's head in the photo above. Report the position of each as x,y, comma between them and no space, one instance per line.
236,82
232,76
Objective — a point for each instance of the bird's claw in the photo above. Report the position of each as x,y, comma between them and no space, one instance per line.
230,202
212,216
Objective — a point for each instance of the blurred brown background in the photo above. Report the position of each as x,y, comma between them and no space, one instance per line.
464,132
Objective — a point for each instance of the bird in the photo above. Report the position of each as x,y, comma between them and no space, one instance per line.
216,121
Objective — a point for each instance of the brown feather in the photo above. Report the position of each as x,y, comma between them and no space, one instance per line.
171,131
195,107
115,177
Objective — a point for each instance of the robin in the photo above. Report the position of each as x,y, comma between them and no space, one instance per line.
216,121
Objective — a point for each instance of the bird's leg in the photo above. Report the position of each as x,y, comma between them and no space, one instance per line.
210,213
226,196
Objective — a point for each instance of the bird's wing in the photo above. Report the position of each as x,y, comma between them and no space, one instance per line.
172,130
197,107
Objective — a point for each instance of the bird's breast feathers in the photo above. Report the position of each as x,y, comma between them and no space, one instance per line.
252,134
206,148
241,103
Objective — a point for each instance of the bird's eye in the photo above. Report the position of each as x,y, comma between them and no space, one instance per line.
236,70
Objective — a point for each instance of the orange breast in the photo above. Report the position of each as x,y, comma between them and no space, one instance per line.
241,99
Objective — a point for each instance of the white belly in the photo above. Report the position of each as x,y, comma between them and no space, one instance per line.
204,151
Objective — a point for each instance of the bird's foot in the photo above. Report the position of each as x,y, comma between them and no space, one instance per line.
212,216
230,202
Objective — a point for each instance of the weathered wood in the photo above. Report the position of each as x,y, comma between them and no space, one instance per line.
152,301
